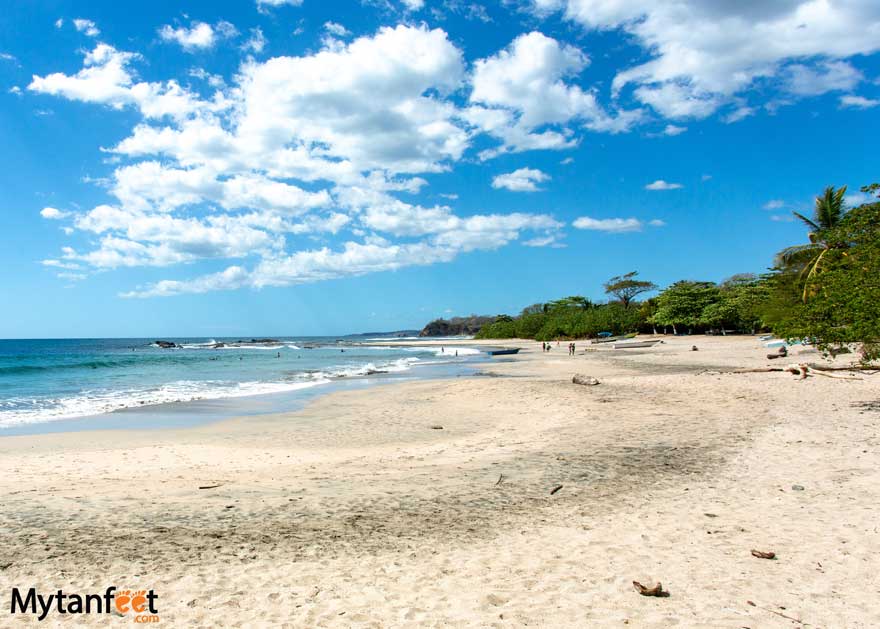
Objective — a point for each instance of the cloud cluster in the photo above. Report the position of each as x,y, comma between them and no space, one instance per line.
522,97
198,36
705,55
296,149
521,180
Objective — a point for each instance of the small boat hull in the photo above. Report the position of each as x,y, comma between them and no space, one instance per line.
503,352
634,344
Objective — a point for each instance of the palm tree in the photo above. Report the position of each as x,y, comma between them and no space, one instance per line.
805,259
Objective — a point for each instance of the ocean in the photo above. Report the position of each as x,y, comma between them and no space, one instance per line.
48,385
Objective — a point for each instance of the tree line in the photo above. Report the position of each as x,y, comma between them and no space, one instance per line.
825,291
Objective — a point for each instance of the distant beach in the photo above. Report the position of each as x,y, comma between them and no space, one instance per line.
506,497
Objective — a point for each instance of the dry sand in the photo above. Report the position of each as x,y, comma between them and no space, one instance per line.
357,512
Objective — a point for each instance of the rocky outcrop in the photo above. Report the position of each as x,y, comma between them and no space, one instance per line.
457,326
166,344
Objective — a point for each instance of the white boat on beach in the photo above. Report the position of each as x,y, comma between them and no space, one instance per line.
633,344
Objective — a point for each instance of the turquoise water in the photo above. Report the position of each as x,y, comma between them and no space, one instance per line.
60,381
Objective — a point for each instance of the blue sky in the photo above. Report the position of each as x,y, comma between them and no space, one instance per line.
301,167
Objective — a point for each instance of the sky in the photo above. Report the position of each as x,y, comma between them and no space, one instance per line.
294,167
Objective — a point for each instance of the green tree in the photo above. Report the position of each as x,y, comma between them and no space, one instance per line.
683,303
806,259
574,302
533,309
626,287
845,304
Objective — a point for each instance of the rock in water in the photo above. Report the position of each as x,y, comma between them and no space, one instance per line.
580,378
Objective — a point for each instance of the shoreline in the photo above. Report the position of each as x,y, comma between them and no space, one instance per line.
206,411
358,511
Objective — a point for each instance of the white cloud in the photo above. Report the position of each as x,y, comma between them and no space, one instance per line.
663,185
551,240
741,112
105,78
413,5
523,88
521,180
703,54
294,147
859,102
256,42
858,198
262,4
198,36
336,29
52,213
86,26
59,22
614,225
672,129
355,258
825,77
774,204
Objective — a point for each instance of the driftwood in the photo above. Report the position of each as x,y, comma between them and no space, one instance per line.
580,378
656,590
555,489
760,554
773,611
850,368
209,486
804,370
500,478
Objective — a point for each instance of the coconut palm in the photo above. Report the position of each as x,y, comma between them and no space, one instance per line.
806,259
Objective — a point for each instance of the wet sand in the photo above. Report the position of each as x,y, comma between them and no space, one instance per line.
361,511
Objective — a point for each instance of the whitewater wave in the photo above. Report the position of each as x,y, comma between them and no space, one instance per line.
446,352
368,369
19,411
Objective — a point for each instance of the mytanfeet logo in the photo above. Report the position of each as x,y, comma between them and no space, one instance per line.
139,604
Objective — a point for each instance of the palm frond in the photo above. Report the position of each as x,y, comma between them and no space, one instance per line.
830,207
797,256
813,226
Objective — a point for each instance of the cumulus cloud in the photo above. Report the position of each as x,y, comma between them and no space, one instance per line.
198,36
663,185
521,180
293,148
701,55
86,26
106,78
52,213
614,225
519,92
356,258
774,204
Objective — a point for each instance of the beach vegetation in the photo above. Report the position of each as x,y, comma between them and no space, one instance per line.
843,304
625,288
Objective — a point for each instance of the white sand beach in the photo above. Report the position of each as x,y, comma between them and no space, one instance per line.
428,503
